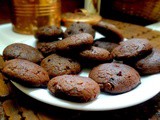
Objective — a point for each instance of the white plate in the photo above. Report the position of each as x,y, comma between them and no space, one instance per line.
148,88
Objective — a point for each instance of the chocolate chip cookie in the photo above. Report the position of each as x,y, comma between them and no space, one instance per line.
105,43
75,42
79,27
115,78
22,51
26,72
57,65
47,48
108,30
74,88
96,53
132,49
150,64
48,33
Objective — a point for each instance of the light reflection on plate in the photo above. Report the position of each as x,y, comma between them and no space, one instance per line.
148,88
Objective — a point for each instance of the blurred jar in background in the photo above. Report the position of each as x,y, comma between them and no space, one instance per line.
28,15
92,6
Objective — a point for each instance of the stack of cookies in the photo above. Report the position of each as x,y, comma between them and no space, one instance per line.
116,64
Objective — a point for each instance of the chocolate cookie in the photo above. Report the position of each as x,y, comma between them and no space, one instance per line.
132,49
79,27
48,33
57,65
47,48
115,78
96,53
22,51
75,42
108,30
74,88
150,64
26,72
104,43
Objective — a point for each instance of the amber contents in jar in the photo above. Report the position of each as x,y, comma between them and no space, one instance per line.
28,15
80,15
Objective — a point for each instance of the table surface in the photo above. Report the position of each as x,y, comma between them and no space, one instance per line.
16,105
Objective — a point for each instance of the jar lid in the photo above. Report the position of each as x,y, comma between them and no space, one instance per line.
80,15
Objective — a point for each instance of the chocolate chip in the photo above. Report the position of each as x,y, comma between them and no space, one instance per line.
119,74
111,79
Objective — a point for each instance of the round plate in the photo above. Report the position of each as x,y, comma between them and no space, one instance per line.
148,88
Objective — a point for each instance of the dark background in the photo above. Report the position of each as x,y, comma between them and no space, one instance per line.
107,11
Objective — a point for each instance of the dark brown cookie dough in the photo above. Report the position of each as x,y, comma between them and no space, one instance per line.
132,49
96,53
75,42
47,48
79,27
108,30
26,72
104,43
115,78
57,65
74,88
150,64
48,33
22,51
